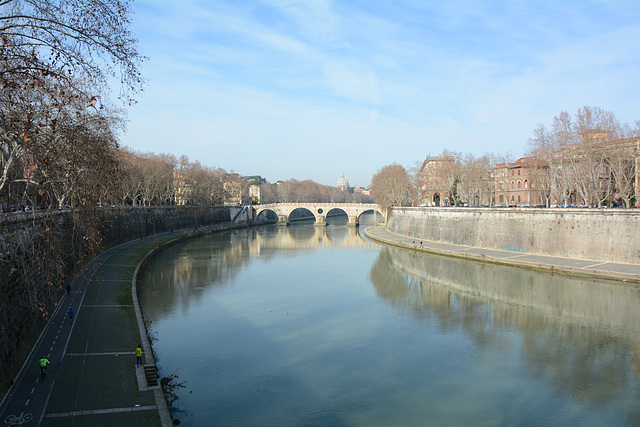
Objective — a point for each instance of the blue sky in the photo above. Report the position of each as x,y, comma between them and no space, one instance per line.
312,89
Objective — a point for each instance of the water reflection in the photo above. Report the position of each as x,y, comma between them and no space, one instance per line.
192,267
581,335
307,325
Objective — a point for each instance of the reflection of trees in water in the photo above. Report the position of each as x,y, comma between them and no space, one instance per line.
178,275
589,366
416,294
580,335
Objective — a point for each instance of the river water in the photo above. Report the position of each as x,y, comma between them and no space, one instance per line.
311,326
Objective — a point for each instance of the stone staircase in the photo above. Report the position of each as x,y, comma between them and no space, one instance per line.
151,375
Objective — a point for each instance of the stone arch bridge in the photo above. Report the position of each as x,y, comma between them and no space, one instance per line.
319,210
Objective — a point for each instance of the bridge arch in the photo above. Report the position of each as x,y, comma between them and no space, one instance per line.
265,215
377,212
304,209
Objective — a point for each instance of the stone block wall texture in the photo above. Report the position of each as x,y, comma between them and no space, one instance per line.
27,300
122,225
603,235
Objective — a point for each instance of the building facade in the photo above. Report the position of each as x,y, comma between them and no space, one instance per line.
233,189
181,189
254,193
599,171
438,178
516,183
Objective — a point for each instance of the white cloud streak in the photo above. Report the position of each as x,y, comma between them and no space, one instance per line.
310,89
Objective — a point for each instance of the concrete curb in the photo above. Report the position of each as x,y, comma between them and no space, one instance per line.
161,400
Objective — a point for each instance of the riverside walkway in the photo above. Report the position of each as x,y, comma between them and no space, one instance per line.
568,266
93,379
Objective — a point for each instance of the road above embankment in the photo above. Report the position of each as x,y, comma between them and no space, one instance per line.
568,266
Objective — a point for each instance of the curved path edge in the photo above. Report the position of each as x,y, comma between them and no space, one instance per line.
629,273
161,400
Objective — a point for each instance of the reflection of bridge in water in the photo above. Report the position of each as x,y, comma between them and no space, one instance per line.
319,211
306,238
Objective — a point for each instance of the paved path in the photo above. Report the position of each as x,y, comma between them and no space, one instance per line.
93,379
569,266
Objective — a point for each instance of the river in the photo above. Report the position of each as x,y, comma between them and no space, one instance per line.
304,325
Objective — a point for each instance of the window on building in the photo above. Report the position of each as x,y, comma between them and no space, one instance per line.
518,198
518,172
526,184
513,185
519,184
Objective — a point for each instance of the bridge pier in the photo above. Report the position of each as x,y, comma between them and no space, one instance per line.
353,221
321,221
283,220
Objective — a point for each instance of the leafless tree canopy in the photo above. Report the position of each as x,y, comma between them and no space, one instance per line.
588,159
70,41
390,186
294,191
57,126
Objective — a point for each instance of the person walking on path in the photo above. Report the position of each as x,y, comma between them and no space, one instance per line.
70,313
139,356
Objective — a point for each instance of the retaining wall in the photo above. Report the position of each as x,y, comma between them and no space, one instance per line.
591,234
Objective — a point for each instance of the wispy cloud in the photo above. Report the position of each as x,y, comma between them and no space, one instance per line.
310,89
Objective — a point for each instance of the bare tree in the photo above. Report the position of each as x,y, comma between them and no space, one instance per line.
131,176
622,167
416,183
67,41
268,193
475,180
579,161
390,186
55,61
468,181
540,150
451,175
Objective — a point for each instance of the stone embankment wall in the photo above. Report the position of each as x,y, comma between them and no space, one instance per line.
27,299
122,225
592,234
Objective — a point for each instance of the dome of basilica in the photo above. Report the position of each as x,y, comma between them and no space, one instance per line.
343,183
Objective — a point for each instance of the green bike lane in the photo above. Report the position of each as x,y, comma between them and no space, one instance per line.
93,378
